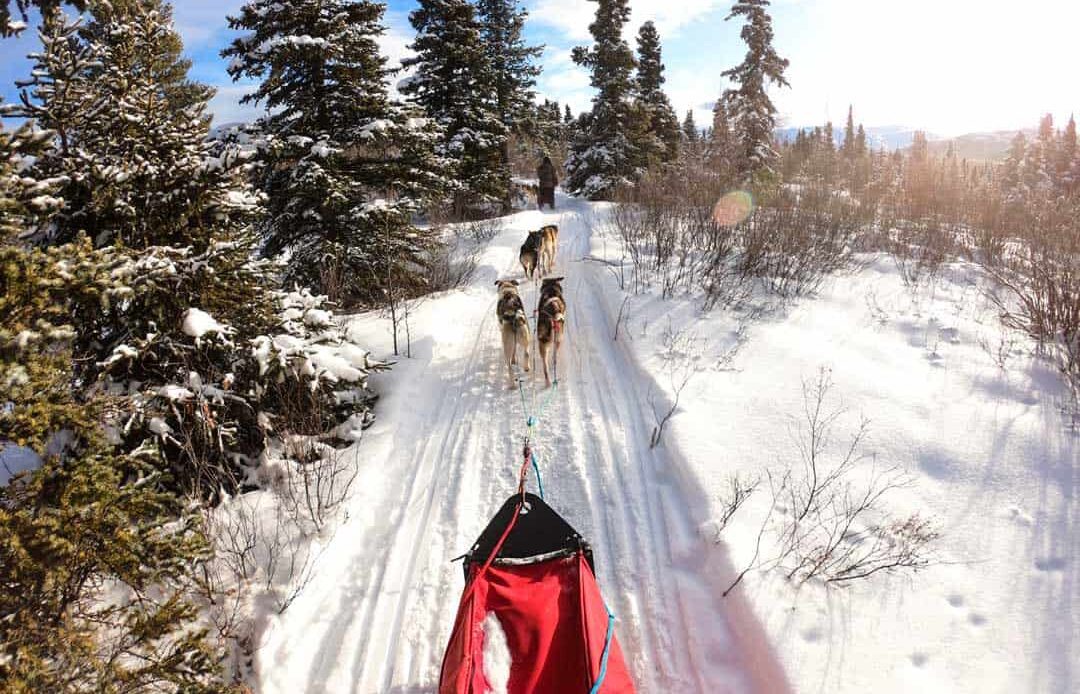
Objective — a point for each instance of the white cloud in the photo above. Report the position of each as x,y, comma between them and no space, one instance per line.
227,108
574,16
198,21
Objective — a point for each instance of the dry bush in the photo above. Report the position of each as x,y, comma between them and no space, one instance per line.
667,228
1036,285
827,515
919,249
682,352
792,244
676,243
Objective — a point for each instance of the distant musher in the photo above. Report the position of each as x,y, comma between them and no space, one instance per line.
548,181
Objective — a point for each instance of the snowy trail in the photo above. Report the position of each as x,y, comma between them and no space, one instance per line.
377,615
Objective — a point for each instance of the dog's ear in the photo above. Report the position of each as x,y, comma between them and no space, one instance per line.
514,282
554,279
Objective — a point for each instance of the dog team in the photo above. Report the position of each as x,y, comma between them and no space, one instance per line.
537,259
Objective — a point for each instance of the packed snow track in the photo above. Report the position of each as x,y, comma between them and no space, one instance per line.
444,456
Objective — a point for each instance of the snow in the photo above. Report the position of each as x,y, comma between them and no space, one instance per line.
175,393
988,454
496,654
15,460
198,323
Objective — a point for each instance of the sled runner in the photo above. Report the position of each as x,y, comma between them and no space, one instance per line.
534,572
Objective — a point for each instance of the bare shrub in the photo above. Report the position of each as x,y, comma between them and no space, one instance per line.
837,530
1001,348
667,228
798,240
1036,286
827,517
919,249
682,352
316,480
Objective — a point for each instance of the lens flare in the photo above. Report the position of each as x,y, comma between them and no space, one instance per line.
734,208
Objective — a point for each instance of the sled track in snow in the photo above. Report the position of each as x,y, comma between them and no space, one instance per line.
382,615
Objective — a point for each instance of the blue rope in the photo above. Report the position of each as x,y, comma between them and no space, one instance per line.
607,651
539,482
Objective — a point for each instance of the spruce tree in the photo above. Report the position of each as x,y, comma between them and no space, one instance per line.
720,147
130,132
13,13
662,136
1067,152
604,153
1012,175
97,556
23,199
345,166
848,147
455,84
690,131
514,72
1070,155
860,142
748,104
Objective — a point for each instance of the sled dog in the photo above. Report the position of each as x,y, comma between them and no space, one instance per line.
531,254
550,323
513,326
549,247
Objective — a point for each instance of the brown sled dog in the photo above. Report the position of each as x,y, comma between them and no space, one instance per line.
513,326
549,247
550,324
530,255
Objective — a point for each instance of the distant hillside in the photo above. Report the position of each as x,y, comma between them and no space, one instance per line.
887,137
990,146
993,146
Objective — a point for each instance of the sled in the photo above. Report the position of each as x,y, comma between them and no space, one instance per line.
534,572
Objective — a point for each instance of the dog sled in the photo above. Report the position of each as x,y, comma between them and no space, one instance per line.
534,573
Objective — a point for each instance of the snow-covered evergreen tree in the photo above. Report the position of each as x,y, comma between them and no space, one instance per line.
1068,151
604,153
514,72
690,131
1012,171
23,198
455,83
662,135
720,148
97,556
752,112
13,13
860,142
1038,167
131,130
848,146
346,167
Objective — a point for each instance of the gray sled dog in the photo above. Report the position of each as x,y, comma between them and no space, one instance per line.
549,247
513,326
530,254
550,323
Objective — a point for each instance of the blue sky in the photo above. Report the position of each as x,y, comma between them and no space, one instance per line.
950,66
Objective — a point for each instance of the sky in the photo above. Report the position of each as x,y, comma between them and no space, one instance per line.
946,66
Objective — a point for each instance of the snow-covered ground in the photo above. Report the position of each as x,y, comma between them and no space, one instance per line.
987,450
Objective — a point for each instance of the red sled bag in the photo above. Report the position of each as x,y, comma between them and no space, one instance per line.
533,573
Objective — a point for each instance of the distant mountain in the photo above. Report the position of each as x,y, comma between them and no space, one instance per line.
888,137
992,146
989,146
